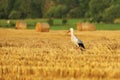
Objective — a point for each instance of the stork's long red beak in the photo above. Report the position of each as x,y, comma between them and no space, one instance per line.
68,31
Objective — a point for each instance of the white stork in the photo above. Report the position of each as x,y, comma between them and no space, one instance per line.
76,41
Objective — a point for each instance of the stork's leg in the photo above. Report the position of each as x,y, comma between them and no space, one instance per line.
78,48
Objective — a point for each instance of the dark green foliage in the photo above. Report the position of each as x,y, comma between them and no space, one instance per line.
50,21
64,21
111,13
3,8
97,8
74,13
57,12
103,10
36,8
15,15
91,10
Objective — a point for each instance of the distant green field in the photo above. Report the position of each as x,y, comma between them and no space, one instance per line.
57,24
104,26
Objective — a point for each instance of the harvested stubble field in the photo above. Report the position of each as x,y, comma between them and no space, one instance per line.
31,55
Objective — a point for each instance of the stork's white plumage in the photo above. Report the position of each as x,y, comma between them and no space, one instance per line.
76,41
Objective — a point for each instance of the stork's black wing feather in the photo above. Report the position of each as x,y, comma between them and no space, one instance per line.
81,45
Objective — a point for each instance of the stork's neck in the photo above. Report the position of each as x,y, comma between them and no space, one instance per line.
72,34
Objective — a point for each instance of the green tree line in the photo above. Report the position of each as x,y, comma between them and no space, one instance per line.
91,10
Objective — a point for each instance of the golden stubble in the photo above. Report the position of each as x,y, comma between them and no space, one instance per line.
31,55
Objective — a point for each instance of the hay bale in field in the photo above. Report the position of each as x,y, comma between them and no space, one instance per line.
79,26
86,27
42,27
21,25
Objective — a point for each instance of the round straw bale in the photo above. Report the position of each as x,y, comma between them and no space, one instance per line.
21,25
42,27
79,26
88,27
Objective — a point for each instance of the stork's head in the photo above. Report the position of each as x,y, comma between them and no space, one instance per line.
70,30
